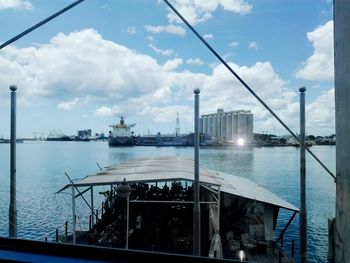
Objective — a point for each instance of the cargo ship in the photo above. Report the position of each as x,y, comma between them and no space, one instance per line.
121,134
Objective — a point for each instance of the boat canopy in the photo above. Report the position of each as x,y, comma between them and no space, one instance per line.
175,168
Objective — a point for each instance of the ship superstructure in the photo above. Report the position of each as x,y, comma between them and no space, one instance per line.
121,134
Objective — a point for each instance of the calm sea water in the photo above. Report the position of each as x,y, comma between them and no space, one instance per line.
41,167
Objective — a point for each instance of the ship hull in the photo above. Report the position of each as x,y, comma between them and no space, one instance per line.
121,141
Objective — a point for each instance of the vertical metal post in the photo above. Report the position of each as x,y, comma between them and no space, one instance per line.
342,128
73,215
219,201
127,222
124,191
102,209
196,205
13,204
303,215
92,205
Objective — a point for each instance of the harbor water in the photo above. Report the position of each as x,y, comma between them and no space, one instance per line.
41,166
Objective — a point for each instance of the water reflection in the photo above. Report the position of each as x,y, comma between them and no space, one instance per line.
41,167
231,160
120,157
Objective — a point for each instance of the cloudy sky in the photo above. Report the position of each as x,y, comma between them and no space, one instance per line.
107,58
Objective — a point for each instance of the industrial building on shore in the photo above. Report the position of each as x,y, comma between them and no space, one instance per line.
228,126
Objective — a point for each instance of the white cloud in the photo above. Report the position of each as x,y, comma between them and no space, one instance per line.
80,65
234,44
172,64
320,65
200,11
166,113
106,7
222,90
253,45
84,65
106,111
17,4
131,30
171,29
163,52
68,105
261,77
321,114
195,61
208,36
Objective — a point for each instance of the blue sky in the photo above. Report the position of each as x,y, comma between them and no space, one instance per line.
107,58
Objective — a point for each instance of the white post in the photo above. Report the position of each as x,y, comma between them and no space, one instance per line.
124,190
73,215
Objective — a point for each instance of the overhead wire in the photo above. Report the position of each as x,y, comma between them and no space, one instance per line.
41,23
46,20
247,87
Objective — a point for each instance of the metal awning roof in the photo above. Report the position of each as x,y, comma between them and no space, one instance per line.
170,168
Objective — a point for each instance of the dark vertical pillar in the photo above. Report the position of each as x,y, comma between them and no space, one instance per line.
13,205
196,205
303,215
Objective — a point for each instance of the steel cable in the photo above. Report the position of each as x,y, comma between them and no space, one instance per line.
15,38
247,87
